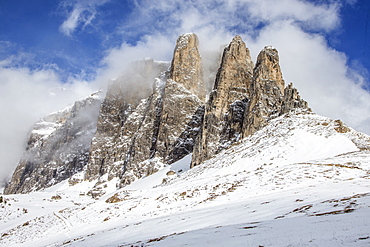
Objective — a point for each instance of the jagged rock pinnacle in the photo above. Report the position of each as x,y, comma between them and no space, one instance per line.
186,66
266,97
268,68
233,77
141,125
161,127
223,117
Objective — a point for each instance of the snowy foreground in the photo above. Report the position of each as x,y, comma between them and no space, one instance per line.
297,182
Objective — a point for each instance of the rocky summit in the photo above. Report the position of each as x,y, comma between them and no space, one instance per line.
244,99
155,115
58,147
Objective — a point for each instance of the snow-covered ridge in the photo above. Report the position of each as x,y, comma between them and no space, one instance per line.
57,148
298,181
48,124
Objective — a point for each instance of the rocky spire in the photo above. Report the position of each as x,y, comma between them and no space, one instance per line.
184,94
268,68
152,116
267,90
186,67
292,100
223,119
132,138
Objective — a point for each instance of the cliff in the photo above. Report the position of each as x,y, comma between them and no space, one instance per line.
155,114
58,147
244,99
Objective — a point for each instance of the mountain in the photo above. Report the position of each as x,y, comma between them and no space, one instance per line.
58,147
299,181
153,115
243,99
163,160
132,137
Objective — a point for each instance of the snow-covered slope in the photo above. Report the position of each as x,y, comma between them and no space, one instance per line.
303,180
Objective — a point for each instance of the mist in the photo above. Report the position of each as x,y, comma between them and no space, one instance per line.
25,97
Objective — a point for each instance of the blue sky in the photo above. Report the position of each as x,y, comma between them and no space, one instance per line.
353,38
34,28
32,31
53,52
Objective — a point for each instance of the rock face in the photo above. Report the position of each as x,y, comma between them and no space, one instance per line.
58,147
132,137
243,99
154,115
121,115
292,100
186,68
267,91
223,118
268,97
182,102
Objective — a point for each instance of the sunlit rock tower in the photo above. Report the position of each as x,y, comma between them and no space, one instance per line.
132,138
156,114
244,99
223,118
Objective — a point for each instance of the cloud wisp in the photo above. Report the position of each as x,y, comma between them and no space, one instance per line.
82,14
26,96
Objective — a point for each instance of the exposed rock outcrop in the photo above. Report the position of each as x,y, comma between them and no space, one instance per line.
223,118
267,91
131,138
292,100
154,115
186,68
268,97
58,147
243,99
119,127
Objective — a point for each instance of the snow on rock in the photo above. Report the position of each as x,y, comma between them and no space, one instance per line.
268,172
298,181
58,147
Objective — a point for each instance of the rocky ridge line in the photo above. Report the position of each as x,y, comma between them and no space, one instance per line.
58,147
244,99
153,116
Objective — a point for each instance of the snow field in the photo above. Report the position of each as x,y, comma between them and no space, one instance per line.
297,182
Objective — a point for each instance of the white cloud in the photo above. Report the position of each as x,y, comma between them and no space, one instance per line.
71,23
316,17
166,16
319,72
157,47
82,14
